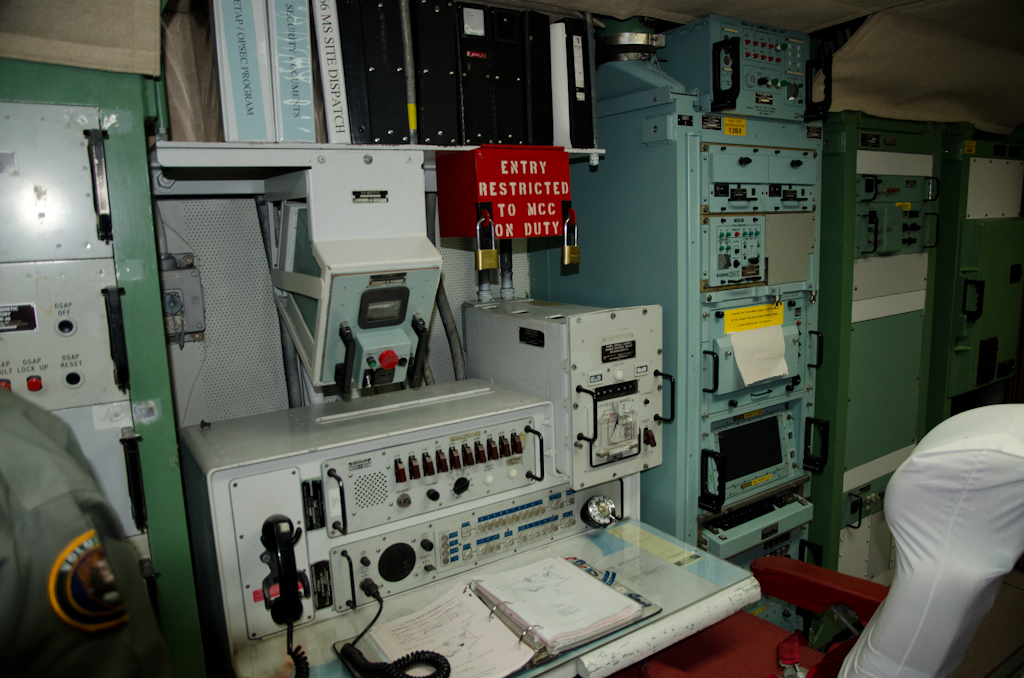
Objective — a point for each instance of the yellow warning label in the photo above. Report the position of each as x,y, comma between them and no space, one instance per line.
756,481
752,317
748,415
666,550
736,127
905,206
970,147
759,610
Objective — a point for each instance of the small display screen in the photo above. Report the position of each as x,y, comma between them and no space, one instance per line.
750,448
377,311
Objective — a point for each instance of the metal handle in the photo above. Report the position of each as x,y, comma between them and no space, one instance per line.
860,509
873,219
815,464
722,99
821,349
343,371
351,580
714,372
672,397
342,525
816,110
874,187
744,161
100,193
979,288
933,196
540,443
707,500
580,436
420,328
796,163
925,216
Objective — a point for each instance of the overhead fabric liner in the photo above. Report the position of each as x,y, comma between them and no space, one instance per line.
107,35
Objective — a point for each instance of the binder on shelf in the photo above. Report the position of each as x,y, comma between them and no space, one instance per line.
476,91
332,70
292,68
243,70
505,621
570,84
350,25
508,71
385,71
436,35
537,71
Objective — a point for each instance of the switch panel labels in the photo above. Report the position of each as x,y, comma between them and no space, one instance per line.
17,317
618,351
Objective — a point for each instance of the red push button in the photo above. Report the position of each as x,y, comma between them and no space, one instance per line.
763,57
35,383
388,360
5,383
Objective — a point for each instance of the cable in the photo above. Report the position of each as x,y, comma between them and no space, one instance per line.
396,669
298,657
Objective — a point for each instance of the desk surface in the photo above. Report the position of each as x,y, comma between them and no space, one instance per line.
694,590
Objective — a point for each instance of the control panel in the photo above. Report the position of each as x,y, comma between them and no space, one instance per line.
758,179
896,214
737,251
54,336
416,555
365,490
408,466
751,69
601,367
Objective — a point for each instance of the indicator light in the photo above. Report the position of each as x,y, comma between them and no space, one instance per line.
34,383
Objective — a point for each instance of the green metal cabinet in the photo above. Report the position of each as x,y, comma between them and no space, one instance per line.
978,288
133,99
880,229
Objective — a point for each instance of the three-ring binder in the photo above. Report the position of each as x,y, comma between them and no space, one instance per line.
527,630
500,603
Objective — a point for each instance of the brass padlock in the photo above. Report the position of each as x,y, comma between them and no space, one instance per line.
486,256
570,253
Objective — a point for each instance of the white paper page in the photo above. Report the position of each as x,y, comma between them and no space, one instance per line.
456,626
760,353
558,597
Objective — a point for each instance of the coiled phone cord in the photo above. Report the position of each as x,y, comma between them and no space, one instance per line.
398,668
298,657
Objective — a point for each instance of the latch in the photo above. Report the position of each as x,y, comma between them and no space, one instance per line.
100,195
115,329
133,468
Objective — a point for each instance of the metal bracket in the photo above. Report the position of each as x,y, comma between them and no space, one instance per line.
100,194
115,328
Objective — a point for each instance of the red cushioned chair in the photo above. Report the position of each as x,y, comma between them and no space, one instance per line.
715,652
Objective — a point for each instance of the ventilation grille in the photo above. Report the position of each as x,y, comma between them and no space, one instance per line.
371,490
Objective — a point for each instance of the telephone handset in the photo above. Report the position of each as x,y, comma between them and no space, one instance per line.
279,538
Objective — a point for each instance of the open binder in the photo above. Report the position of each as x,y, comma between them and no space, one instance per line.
492,626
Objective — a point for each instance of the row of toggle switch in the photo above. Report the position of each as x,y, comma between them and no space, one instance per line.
439,462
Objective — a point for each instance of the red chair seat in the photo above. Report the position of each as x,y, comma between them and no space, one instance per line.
740,646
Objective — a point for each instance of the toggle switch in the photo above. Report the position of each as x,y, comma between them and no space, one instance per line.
453,459
400,471
414,467
428,464
442,461
492,450
503,447
481,454
467,455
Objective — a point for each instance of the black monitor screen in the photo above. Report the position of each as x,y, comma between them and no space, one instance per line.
750,448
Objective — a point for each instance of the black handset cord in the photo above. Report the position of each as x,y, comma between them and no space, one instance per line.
399,667
298,657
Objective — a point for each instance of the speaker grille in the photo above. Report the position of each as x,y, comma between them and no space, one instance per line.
371,489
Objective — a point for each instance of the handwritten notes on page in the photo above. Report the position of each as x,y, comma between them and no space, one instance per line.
458,627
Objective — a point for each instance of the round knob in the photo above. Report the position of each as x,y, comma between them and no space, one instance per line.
744,161
388,360
426,545
598,511
461,485
796,163
433,495
396,562
364,561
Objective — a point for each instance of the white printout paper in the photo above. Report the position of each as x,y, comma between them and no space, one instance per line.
458,627
760,353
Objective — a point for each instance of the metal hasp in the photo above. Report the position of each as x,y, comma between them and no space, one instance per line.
880,186
715,216
123,104
978,286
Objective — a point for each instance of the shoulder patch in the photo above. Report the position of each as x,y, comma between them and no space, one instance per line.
82,589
